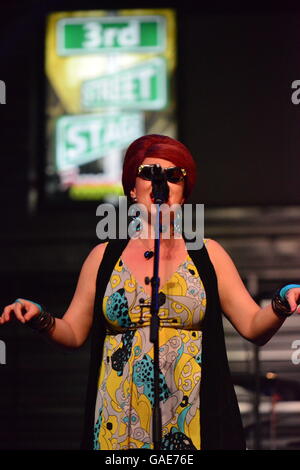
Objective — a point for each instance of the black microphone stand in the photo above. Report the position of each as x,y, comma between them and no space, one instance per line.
160,191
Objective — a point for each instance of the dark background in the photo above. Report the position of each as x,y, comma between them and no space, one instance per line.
235,70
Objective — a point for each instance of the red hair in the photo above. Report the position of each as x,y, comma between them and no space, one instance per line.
160,146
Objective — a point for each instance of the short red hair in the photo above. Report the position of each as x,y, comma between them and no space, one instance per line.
160,146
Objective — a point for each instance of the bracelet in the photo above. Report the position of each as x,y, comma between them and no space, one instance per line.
285,289
38,305
280,305
42,323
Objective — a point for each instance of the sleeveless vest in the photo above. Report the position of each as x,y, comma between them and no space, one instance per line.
220,420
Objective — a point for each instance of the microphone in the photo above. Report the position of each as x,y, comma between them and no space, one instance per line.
160,187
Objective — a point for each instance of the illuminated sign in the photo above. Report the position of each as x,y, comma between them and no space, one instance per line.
110,79
85,138
111,33
143,86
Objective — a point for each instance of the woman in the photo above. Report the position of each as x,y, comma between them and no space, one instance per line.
197,399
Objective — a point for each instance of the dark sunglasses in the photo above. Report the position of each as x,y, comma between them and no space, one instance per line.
174,174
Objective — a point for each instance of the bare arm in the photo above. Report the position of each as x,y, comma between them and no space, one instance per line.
253,322
73,328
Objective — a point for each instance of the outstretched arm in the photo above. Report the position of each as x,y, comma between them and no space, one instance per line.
73,328
253,322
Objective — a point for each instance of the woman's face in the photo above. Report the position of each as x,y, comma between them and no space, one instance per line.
143,189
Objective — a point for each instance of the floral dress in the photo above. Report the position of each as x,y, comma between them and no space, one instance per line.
123,413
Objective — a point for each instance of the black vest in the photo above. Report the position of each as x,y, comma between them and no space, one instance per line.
221,425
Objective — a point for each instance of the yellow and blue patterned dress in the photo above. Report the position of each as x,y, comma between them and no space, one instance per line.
123,414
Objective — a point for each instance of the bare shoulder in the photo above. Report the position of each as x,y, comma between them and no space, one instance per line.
96,254
217,253
94,258
98,251
213,247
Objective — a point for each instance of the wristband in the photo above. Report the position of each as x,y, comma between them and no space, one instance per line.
38,305
281,305
284,290
43,322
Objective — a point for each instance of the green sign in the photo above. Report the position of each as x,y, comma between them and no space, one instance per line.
110,34
85,138
141,87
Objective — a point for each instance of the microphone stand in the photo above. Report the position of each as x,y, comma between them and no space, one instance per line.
160,192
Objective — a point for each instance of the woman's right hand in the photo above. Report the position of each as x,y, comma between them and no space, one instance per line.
22,309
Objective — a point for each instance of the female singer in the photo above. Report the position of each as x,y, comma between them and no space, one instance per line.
197,399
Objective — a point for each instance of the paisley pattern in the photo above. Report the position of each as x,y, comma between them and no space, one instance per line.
123,414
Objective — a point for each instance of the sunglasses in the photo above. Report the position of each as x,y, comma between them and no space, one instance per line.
174,174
